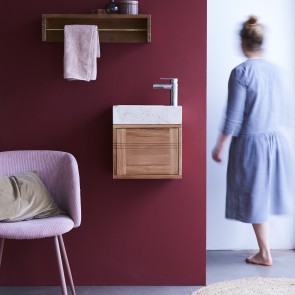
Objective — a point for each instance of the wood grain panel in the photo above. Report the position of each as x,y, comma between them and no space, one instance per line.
145,151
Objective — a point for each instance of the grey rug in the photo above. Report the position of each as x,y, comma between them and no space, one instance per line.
250,286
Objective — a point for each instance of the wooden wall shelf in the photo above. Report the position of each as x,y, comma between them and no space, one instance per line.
114,28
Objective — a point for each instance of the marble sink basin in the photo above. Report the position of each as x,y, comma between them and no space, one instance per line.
147,114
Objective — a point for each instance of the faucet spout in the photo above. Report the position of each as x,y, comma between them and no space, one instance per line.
162,86
173,87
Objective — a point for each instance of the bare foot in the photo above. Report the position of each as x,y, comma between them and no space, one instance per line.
260,259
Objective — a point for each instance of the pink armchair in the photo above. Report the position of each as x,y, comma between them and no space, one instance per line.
59,172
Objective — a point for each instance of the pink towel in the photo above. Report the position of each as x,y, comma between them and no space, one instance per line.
81,49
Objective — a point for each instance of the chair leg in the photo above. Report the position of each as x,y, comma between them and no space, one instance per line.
1,249
60,267
67,265
61,254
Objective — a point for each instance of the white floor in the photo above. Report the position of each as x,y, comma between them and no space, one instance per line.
221,265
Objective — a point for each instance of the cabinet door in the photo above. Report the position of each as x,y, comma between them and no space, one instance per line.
147,152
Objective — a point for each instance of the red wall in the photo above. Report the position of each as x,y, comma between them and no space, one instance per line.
133,232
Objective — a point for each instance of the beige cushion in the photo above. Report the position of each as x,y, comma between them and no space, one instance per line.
23,197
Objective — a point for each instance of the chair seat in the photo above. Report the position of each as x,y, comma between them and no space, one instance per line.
36,228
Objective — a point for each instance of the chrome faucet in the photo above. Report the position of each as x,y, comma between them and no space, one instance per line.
173,87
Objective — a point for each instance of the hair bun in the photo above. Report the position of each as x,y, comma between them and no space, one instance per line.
252,21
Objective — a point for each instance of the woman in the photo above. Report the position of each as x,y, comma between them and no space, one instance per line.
256,174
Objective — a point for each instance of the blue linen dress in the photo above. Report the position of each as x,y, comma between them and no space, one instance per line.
257,175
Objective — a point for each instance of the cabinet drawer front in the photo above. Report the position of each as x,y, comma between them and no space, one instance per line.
147,151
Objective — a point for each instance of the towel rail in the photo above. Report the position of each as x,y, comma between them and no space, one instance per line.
113,28
109,30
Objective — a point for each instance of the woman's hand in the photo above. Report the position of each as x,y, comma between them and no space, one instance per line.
217,151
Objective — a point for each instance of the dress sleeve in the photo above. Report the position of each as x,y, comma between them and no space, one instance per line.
237,93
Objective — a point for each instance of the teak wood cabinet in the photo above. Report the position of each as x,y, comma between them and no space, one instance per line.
147,151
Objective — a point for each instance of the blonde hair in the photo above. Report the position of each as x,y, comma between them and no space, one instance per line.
252,34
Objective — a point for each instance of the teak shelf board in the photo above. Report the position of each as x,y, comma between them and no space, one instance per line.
115,28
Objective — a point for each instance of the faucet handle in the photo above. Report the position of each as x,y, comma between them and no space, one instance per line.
172,80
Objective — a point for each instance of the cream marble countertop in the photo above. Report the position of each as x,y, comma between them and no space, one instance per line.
147,114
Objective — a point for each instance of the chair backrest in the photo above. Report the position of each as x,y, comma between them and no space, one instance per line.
58,170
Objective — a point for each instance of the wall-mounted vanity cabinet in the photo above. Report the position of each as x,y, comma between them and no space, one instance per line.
143,149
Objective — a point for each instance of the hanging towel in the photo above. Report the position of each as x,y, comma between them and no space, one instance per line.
81,49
